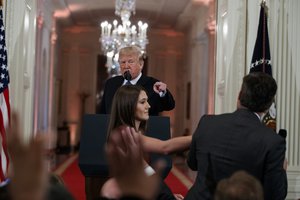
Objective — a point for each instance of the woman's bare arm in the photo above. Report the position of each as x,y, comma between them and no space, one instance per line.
154,145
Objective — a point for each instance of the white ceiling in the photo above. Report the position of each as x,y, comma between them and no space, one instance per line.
158,14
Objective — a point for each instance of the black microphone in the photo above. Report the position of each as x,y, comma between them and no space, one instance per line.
127,75
282,133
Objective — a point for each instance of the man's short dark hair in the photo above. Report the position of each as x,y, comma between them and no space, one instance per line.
258,91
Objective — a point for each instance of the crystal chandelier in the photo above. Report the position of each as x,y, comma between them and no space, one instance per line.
117,35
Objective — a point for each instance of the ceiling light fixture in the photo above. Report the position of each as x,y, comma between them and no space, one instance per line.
117,35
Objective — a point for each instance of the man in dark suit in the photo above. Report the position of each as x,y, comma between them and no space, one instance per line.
131,60
226,143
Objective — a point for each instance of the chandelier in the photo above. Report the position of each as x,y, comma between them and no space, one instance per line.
117,35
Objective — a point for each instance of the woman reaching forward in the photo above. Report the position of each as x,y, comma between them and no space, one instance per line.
131,108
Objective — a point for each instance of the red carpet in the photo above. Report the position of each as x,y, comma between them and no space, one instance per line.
74,181
175,184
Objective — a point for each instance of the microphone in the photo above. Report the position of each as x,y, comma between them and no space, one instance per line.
282,133
127,75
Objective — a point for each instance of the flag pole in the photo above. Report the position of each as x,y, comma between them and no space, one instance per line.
263,4
261,58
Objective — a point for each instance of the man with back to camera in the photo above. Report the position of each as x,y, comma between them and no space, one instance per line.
131,65
223,144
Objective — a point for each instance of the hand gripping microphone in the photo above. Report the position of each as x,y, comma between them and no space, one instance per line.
127,75
282,133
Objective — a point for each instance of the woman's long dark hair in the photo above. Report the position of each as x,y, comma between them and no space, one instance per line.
124,106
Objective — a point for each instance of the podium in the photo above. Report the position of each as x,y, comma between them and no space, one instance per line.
92,158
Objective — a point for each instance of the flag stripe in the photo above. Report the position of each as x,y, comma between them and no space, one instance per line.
5,116
3,147
4,102
7,107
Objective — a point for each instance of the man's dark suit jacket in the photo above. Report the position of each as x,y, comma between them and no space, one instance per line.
157,103
223,144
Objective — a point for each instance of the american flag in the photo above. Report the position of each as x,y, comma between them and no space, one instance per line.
4,102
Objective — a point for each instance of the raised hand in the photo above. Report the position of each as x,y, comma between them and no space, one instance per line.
29,174
125,156
160,87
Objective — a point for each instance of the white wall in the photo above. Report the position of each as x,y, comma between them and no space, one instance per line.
20,38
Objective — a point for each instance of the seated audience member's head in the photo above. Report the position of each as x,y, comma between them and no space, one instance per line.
240,186
257,92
